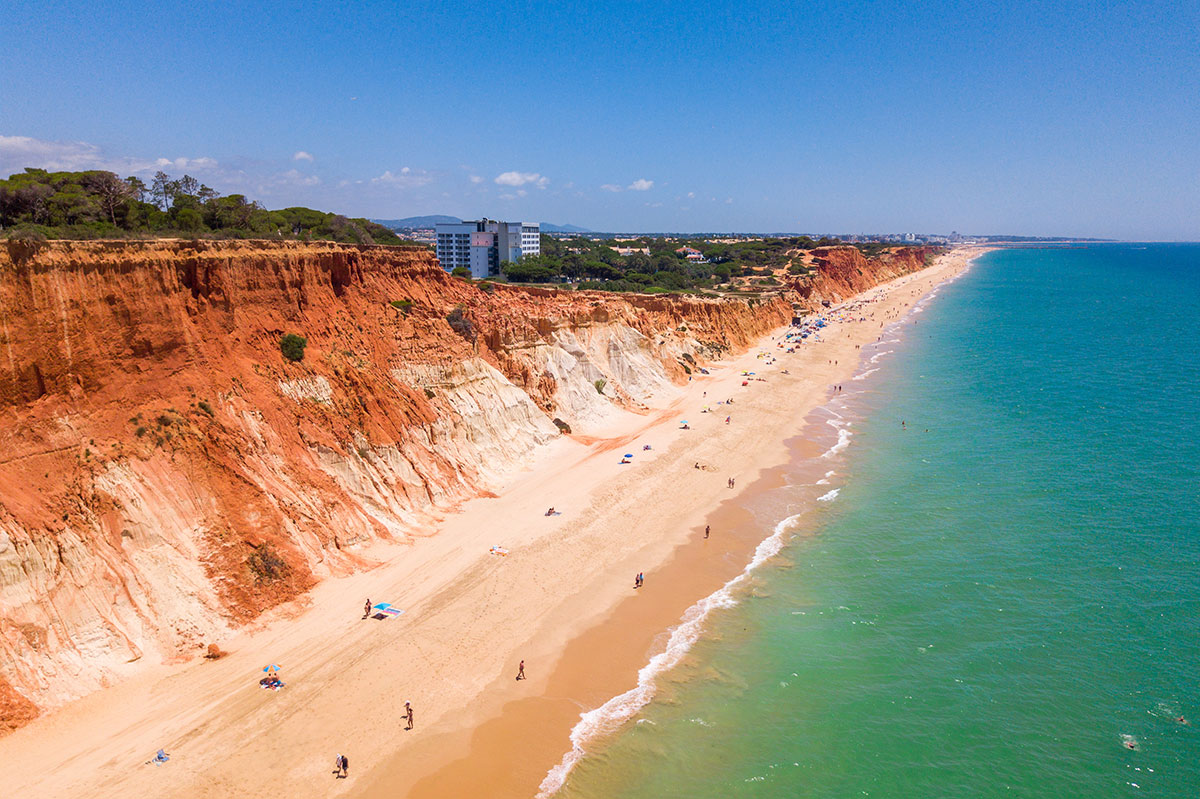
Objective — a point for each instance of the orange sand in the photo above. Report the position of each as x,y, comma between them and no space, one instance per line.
470,617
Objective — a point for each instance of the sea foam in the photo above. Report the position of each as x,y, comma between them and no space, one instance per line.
612,714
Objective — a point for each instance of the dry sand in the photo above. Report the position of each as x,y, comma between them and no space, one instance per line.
562,600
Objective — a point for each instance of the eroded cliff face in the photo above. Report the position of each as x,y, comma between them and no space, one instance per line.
842,272
166,474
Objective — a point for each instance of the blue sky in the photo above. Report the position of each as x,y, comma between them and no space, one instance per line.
1037,118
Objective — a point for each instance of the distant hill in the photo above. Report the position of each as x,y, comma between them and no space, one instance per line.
411,222
549,228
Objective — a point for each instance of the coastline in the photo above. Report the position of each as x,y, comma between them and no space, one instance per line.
510,751
470,616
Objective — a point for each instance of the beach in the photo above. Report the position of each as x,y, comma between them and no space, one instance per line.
557,594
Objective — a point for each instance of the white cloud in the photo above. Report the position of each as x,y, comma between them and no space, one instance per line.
508,196
407,178
476,179
641,184
691,195
21,151
186,163
18,152
294,177
515,179
521,192
611,187
302,156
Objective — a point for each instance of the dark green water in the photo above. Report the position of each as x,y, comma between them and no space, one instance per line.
1004,593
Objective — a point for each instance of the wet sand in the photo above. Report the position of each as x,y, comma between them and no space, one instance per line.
562,600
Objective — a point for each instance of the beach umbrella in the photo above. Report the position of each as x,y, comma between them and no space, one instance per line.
628,454
683,421
272,668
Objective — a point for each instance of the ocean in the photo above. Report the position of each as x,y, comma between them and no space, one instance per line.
999,591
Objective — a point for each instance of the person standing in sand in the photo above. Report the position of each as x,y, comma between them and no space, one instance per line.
521,671
366,613
408,715
706,529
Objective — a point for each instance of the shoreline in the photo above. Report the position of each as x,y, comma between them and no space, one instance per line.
506,754
470,615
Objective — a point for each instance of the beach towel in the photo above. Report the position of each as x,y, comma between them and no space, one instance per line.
384,610
498,551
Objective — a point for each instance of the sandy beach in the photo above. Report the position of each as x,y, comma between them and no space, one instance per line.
561,599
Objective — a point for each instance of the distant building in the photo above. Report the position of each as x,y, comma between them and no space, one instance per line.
690,253
482,245
627,251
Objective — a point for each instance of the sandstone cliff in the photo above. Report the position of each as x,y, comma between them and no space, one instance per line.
166,474
842,272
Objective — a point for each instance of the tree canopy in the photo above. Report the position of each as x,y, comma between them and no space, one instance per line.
99,204
596,264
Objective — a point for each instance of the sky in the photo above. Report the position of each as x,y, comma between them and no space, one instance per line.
841,116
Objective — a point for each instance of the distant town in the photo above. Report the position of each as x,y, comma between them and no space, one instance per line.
525,252
423,229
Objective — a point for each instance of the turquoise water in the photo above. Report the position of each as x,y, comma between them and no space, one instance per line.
1003,594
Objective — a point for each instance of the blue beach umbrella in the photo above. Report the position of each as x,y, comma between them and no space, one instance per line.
273,667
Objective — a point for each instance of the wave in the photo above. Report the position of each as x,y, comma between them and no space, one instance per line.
612,714
830,496
865,374
842,442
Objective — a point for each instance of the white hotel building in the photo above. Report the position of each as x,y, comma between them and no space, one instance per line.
481,246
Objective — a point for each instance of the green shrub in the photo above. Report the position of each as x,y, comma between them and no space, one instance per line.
461,325
403,306
428,393
204,406
600,384
292,346
265,564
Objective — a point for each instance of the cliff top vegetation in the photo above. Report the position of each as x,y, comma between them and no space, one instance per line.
98,204
653,265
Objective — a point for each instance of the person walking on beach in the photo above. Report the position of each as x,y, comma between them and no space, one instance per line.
345,766
521,671
408,715
706,529
366,613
